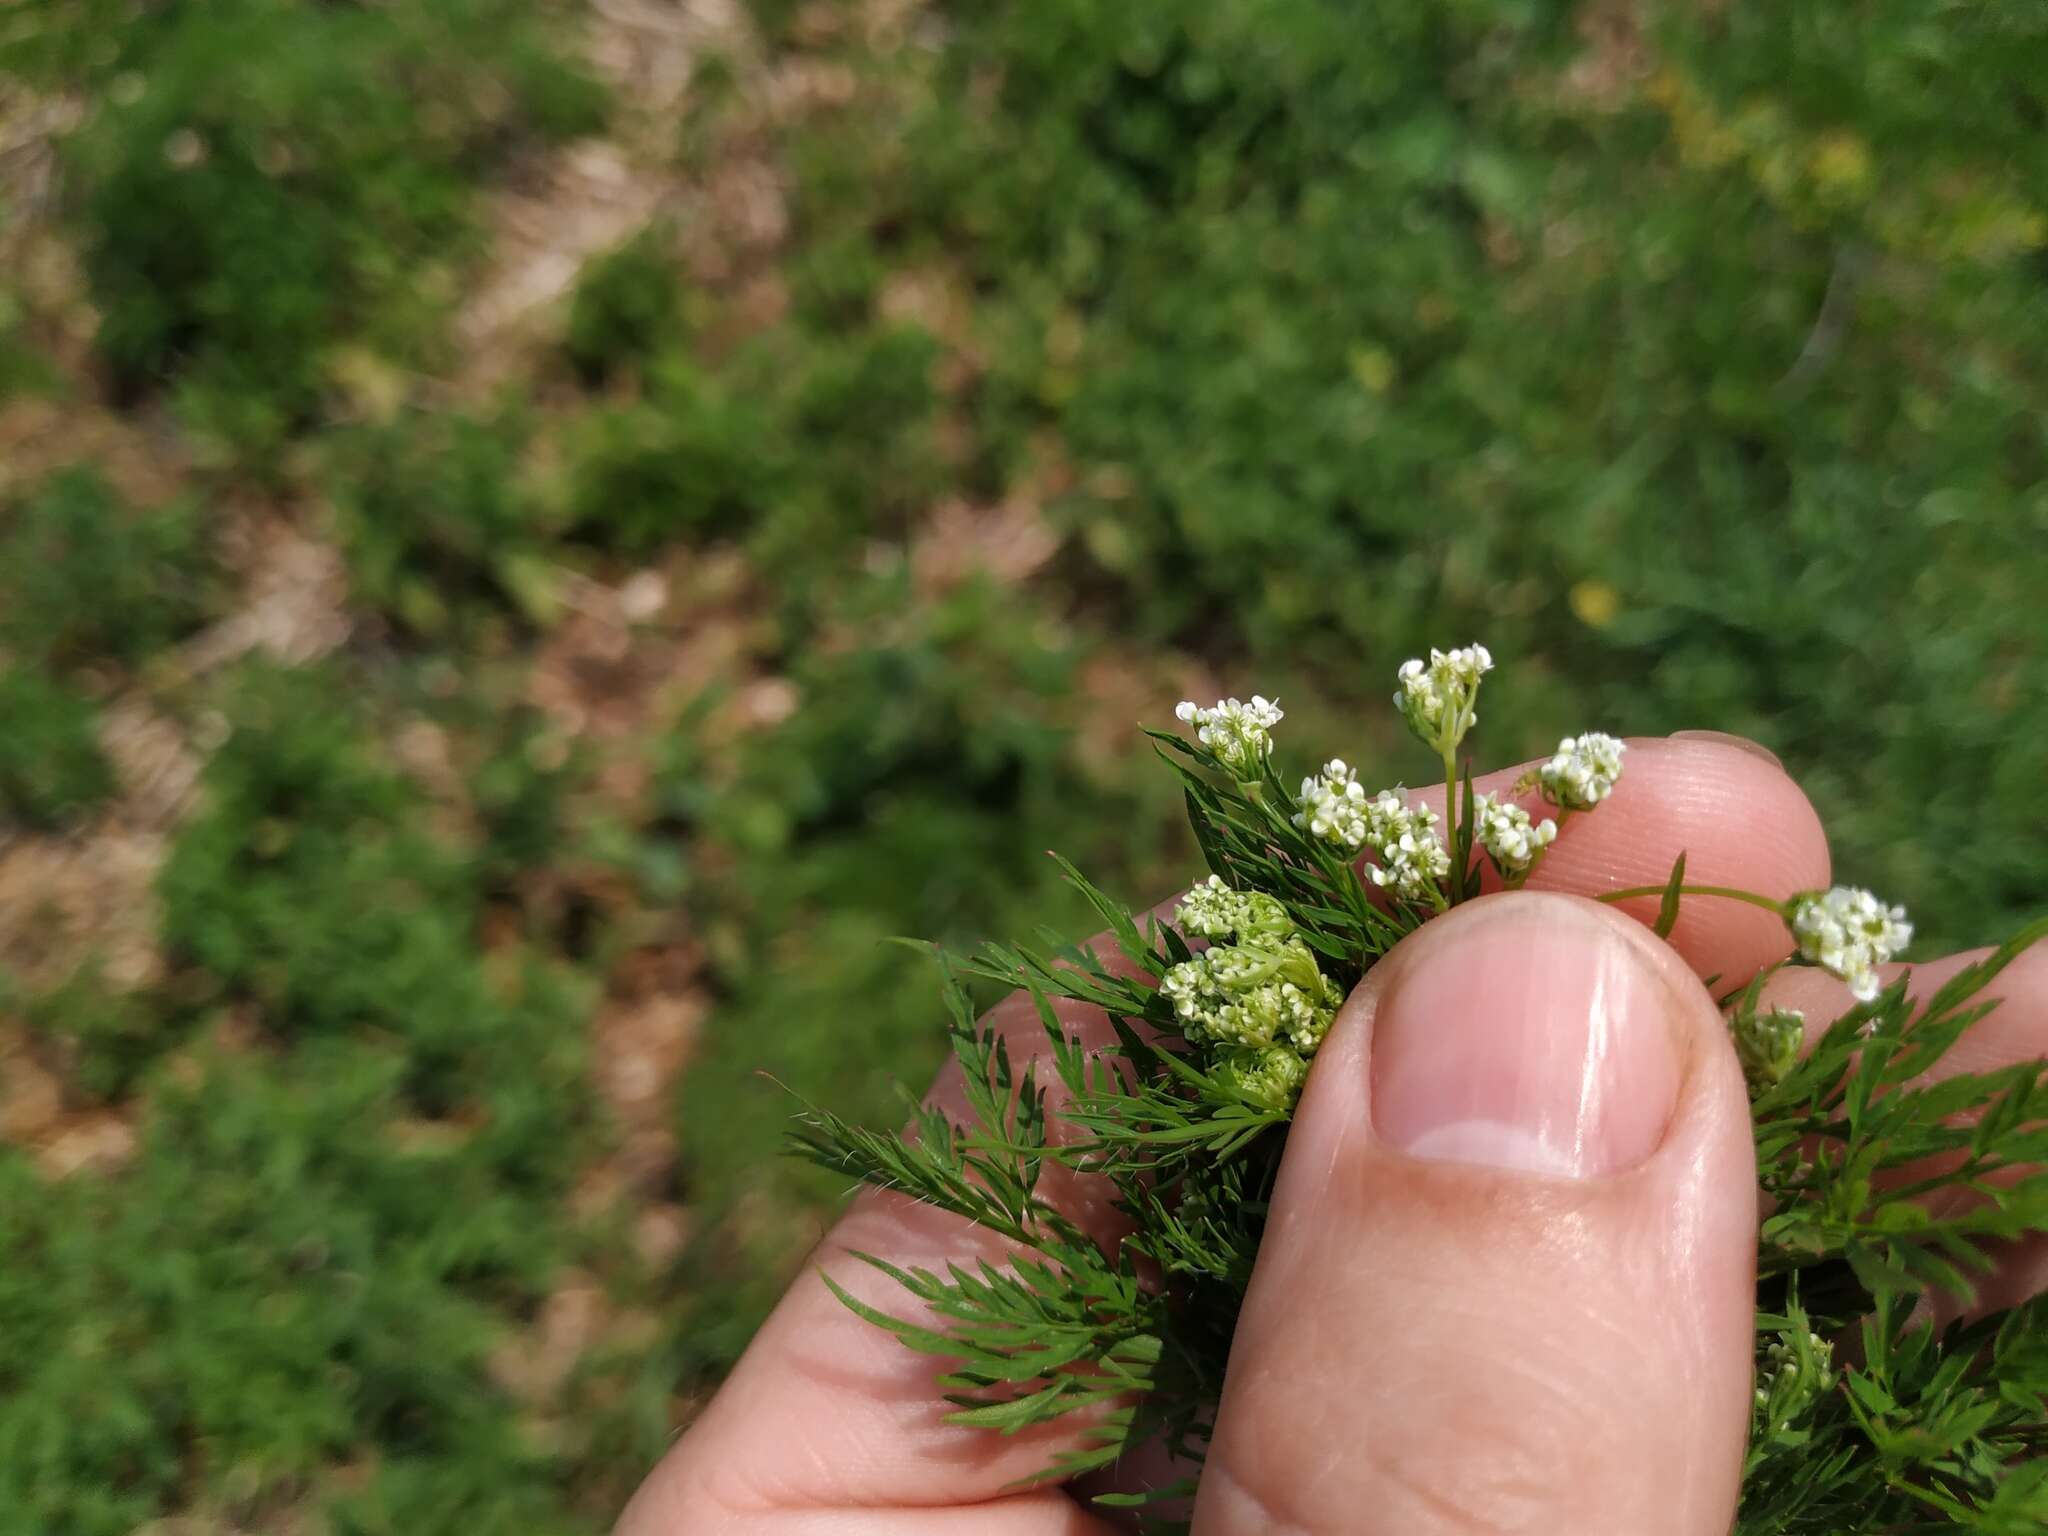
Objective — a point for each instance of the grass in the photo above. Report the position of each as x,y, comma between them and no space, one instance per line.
976,384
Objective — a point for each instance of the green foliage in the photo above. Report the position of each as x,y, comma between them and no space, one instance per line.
23,370
84,577
242,221
627,303
1358,332
321,1237
280,1280
438,524
309,886
52,770
521,793
1929,1428
693,458
912,793
109,1037
784,444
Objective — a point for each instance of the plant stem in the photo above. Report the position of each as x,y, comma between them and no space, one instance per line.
1729,891
1451,800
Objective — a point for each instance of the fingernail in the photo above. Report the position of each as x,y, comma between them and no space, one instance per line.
1538,1038
1730,739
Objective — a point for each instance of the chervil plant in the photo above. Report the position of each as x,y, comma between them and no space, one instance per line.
1867,1416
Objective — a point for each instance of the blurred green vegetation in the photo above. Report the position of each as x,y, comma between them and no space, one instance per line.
968,382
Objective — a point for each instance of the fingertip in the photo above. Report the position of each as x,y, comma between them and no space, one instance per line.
1740,821
1730,739
1735,780
1730,811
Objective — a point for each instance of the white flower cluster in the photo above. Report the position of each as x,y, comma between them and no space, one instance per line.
1259,998
1436,697
1767,1044
1333,806
1240,735
1511,837
1583,772
1412,858
1252,994
1848,933
1212,910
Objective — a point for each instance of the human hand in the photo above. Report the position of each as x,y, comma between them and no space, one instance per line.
1507,1283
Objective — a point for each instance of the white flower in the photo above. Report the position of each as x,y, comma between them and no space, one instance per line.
1188,987
1333,806
1253,995
1511,837
1436,696
1240,735
1849,933
1411,857
1583,772
1212,910
1264,988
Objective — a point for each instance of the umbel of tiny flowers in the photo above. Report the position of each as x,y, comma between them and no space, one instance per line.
1255,998
1239,735
1794,1372
1412,858
1254,993
1583,772
1212,910
1848,932
1436,697
1767,1044
1512,838
1332,806
1271,1077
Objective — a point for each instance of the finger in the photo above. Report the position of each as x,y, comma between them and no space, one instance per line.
828,1416
1509,1277
2015,1031
1731,810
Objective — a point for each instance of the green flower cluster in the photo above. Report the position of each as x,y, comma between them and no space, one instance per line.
1793,1374
1767,1043
1256,996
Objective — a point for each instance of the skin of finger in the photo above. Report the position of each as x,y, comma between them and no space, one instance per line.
828,1418
825,1410
1738,819
2015,1031
1533,1355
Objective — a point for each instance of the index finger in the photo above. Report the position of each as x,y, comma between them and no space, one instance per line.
1730,809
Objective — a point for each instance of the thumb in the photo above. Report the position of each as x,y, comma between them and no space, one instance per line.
1508,1281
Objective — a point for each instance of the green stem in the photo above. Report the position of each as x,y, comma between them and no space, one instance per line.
1729,891
1451,800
